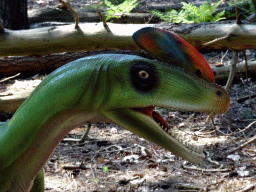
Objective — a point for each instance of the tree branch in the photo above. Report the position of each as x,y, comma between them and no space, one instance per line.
72,11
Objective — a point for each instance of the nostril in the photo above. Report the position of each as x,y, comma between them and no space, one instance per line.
198,73
219,93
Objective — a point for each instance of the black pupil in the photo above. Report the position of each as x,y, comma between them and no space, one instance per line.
143,77
218,93
143,74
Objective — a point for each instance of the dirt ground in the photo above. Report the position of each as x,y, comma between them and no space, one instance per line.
114,159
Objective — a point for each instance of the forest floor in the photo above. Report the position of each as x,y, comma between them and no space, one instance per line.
114,159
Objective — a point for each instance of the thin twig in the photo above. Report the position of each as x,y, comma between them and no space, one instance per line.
72,11
223,56
216,40
232,70
220,169
92,172
248,188
243,130
238,19
150,19
243,99
79,140
7,78
252,140
102,17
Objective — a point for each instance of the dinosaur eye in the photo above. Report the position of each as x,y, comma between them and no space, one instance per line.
143,76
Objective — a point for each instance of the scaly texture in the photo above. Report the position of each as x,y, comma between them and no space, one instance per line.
107,88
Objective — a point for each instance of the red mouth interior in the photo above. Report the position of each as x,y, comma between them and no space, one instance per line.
156,116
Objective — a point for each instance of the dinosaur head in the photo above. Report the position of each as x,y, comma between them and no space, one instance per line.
135,85
142,83
118,88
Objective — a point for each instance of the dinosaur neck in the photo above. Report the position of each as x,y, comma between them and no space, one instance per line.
35,156
48,99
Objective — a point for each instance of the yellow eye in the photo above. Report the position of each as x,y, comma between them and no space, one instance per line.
143,74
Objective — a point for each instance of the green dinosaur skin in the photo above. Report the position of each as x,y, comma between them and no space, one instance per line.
99,88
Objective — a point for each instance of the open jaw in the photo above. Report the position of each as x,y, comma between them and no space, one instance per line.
187,151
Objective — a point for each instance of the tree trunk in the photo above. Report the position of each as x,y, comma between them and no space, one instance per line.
14,14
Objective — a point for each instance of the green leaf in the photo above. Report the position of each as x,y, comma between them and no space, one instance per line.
125,7
191,13
105,169
95,180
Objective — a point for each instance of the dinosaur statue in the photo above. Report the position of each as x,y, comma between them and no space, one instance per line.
172,49
117,88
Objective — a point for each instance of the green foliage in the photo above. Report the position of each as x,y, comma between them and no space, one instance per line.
95,180
115,6
125,7
245,6
192,14
105,169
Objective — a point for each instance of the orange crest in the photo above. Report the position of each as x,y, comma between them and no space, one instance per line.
170,48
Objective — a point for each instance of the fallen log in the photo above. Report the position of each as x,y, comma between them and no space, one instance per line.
34,64
222,71
93,36
29,66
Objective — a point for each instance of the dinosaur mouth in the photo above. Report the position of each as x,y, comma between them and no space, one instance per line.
156,116
179,147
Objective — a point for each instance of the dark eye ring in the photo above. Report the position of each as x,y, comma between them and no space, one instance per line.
143,74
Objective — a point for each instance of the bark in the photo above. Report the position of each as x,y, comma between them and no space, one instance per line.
88,37
32,65
62,15
29,66
93,36
14,14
